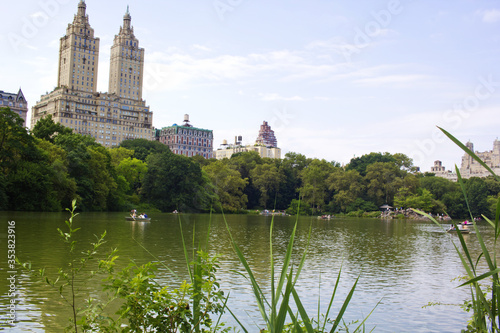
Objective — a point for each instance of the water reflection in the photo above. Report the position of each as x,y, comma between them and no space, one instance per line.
402,264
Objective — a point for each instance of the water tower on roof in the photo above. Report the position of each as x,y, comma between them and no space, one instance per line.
186,121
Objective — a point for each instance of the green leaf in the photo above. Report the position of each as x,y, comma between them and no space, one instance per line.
481,277
305,318
344,307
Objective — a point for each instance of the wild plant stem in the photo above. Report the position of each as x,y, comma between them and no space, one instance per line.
74,300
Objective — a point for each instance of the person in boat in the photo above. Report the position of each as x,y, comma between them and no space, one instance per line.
133,213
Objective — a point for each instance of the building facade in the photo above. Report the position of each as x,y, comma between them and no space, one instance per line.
226,151
15,102
471,168
111,117
440,171
266,136
265,145
187,140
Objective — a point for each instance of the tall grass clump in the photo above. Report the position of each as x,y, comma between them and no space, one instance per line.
277,308
485,308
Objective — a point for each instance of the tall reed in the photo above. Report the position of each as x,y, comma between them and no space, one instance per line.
485,316
278,309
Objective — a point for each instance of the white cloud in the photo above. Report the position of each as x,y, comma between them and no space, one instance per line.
490,15
201,48
393,79
277,97
176,69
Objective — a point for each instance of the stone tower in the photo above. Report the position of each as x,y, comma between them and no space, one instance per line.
495,158
110,118
79,54
127,63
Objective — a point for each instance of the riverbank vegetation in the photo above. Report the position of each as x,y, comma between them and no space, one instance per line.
45,169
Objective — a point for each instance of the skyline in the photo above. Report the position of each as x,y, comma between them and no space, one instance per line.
334,80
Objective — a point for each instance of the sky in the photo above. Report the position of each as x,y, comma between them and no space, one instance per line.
334,79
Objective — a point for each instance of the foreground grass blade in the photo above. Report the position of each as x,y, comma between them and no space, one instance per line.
481,277
259,295
344,307
185,250
331,299
302,311
278,325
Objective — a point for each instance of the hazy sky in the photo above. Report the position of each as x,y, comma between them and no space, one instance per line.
335,79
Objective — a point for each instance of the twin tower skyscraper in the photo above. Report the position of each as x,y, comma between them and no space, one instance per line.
110,117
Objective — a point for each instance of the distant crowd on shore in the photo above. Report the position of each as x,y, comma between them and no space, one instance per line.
409,213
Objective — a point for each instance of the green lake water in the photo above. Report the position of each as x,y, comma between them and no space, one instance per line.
403,264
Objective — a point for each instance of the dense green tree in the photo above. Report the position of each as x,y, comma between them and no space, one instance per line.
47,129
455,204
363,205
492,202
143,148
403,162
291,167
296,207
133,171
314,190
360,164
383,181
296,162
15,142
347,186
65,187
477,195
29,188
4,199
492,186
173,182
229,186
26,173
438,186
103,182
119,154
267,178
202,161
423,200
245,162
89,164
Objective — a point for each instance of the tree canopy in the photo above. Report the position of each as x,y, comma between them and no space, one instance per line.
46,169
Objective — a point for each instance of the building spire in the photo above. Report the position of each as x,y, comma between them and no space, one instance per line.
126,20
82,8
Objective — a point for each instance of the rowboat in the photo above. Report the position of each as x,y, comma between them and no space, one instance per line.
140,219
462,230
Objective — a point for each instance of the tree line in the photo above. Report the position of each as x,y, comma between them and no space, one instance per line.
45,169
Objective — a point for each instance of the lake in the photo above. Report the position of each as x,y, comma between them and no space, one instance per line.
402,264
